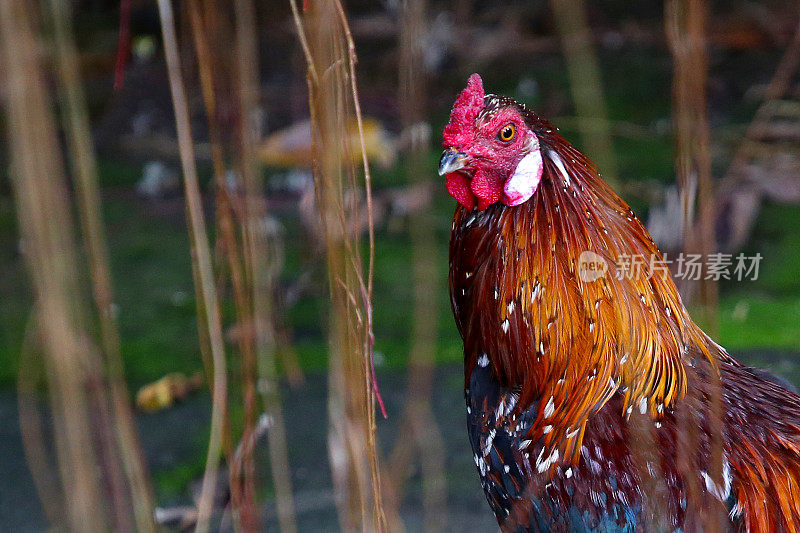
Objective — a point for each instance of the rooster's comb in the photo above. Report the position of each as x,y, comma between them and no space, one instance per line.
462,118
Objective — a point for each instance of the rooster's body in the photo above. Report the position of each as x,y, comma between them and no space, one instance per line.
595,404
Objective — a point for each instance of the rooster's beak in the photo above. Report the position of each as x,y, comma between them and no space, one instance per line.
453,160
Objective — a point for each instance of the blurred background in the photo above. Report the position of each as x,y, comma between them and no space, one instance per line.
613,76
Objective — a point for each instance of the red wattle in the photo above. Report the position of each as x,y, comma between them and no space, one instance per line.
458,188
486,189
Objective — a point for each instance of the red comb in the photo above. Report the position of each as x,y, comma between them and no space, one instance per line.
459,130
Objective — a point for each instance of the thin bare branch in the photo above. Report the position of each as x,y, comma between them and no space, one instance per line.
420,437
262,253
30,425
685,27
201,255
242,471
46,228
301,35
83,162
333,97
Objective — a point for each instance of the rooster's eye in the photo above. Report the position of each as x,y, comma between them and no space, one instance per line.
507,133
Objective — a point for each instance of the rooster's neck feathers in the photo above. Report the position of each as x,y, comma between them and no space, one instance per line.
518,297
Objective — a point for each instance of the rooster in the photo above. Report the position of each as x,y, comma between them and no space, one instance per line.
594,403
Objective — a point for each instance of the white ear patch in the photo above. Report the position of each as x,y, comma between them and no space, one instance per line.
523,183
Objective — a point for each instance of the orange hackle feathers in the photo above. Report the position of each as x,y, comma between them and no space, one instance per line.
557,335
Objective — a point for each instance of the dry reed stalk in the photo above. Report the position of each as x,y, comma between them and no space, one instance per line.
261,261
201,258
685,28
100,408
420,432
586,84
85,443
333,97
31,424
223,207
88,196
250,258
685,22
242,471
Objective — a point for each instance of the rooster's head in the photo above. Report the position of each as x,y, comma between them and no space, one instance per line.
491,154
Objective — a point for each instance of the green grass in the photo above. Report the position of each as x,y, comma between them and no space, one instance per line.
758,321
766,312
152,283
154,290
172,483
